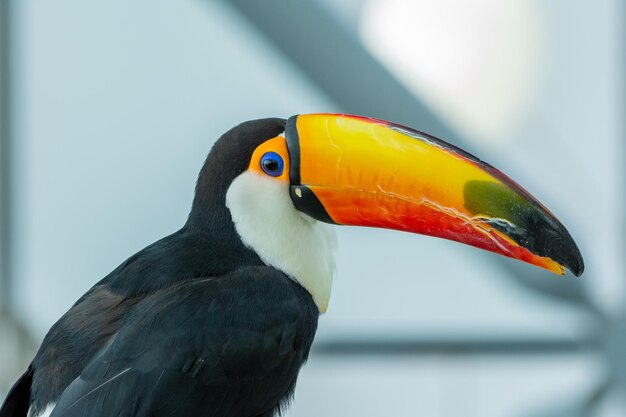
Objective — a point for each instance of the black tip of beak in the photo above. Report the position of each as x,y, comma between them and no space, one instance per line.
577,267
551,239
561,247
544,235
575,262
525,221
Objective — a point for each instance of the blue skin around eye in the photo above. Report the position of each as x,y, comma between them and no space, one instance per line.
273,156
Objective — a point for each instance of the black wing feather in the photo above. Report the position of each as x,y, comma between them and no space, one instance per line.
229,346
17,402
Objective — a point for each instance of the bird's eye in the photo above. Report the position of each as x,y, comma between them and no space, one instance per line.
272,164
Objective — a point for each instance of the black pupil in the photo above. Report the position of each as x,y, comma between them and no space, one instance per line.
270,165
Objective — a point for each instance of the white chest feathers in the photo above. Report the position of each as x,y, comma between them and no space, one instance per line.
282,236
45,413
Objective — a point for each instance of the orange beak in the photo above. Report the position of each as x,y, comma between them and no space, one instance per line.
357,171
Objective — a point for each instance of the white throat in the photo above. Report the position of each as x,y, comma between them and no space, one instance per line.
282,236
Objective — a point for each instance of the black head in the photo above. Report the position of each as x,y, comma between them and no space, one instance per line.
229,157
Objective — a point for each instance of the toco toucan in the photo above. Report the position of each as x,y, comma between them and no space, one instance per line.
218,318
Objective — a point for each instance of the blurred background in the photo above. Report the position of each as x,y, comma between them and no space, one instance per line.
108,110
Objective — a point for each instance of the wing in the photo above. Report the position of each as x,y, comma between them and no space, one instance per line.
231,346
17,401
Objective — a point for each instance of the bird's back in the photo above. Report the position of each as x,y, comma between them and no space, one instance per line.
229,346
90,323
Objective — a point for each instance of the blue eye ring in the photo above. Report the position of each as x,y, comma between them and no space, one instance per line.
272,164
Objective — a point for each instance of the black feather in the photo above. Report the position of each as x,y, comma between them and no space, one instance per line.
17,401
228,346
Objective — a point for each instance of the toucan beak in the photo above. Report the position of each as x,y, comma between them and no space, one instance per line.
358,171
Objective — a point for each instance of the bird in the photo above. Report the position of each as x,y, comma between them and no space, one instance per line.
218,318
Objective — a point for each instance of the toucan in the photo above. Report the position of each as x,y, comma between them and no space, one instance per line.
217,318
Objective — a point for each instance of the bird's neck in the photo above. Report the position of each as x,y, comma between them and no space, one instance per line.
283,237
